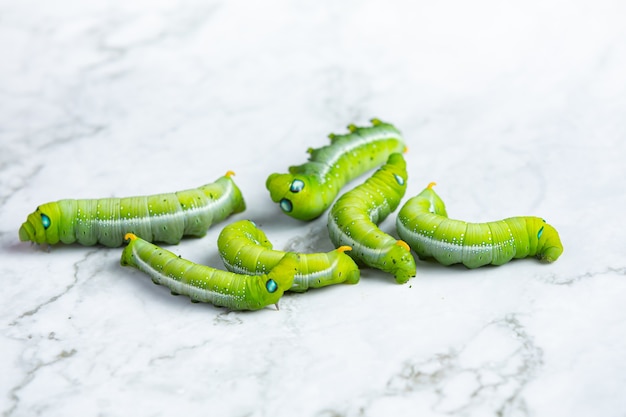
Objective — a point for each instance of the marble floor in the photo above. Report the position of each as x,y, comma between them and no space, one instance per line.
512,108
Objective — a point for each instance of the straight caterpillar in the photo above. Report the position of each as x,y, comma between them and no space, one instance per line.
354,217
205,284
245,249
156,218
424,224
309,189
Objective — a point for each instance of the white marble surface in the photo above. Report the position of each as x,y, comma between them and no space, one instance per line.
514,108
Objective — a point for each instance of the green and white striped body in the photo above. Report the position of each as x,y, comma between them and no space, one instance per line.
309,189
205,284
423,223
156,218
354,217
245,249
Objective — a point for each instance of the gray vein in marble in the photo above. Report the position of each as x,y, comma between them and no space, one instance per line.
34,366
498,382
485,376
75,280
178,351
30,375
568,280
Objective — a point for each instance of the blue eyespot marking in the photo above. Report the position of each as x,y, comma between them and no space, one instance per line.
540,233
45,221
399,179
286,205
271,286
296,186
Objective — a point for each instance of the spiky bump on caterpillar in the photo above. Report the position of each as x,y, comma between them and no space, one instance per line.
309,189
156,218
205,284
245,249
424,224
354,217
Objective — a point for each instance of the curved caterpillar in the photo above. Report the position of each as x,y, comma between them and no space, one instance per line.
205,284
309,189
245,249
156,218
424,224
353,220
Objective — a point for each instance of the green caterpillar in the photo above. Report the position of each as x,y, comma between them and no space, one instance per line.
309,189
205,284
423,223
245,249
353,220
156,218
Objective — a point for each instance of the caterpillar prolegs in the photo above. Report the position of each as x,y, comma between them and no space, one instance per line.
205,284
309,189
245,249
354,217
424,224
156,218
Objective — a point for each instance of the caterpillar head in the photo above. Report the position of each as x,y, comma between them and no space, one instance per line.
270,287
400,262
42,226
296,195
549,246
